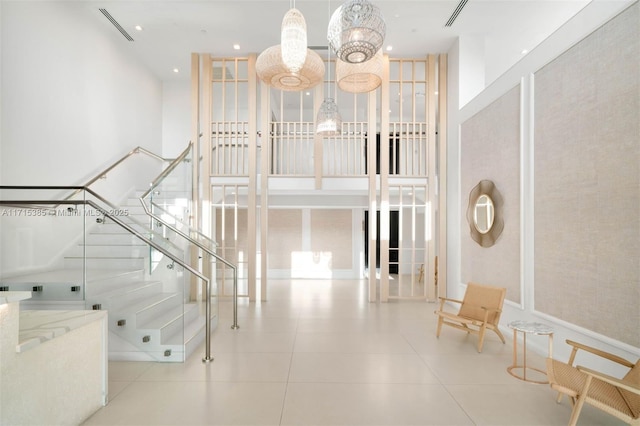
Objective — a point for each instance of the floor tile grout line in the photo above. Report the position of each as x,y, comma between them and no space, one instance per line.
286,386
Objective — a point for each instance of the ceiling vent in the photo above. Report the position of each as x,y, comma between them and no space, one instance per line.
456,12
116,24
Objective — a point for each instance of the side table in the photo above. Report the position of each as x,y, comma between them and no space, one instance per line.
527,327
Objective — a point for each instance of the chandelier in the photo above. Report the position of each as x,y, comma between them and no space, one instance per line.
293,40
272,70
360,78
329,121
356,31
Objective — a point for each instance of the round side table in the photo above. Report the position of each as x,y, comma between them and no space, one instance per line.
527,327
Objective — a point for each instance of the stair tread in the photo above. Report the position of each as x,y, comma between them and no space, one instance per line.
128,288
140,305
191,330
104,257
67,274
164,319
112,245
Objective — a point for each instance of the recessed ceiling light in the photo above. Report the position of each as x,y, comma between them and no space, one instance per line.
236,46
176,70
524,51
308,93
389,48
139,27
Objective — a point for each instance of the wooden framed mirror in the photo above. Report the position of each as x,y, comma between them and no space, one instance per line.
484,213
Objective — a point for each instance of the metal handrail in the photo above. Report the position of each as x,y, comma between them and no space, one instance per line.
77,189
177,219
211,253
233,267
103,173
169,169
131,230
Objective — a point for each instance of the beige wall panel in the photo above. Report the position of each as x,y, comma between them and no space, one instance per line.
331,232
587,182
285,237
490,149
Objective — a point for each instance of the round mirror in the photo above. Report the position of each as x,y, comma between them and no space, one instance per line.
483,214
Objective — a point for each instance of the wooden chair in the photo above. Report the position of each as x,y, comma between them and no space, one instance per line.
480,309
618,397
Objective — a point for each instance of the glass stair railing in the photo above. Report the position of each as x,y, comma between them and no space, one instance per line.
168,202
102,264
73,249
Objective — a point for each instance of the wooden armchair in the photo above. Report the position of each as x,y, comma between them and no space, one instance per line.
618,397
480,309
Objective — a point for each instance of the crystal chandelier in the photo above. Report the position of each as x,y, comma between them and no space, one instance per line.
356,31
360,78
294,40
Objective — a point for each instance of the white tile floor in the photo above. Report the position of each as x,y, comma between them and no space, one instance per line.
317,353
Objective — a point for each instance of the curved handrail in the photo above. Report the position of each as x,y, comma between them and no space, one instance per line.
140,236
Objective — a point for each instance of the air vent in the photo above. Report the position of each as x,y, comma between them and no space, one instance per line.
456,12
116,24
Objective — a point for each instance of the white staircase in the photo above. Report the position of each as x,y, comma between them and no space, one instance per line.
150,318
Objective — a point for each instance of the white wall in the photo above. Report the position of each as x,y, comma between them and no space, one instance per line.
176,117
585,22
72,96
73,101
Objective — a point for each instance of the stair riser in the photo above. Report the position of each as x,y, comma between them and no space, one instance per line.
109,251
128,296
112,238
123,277
105,263
148,314
49,291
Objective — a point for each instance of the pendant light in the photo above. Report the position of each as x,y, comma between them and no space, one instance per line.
329,121
360,78
356,31
273,72
293,39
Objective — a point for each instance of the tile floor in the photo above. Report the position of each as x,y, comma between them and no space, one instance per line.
317,353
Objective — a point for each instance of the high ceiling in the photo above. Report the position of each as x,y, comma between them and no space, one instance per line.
173,29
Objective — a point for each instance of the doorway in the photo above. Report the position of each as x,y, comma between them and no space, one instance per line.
394,239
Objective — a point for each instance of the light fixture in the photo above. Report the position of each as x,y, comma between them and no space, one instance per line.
139,27
236,46
329,120
293,40
356,31
272,70
360,78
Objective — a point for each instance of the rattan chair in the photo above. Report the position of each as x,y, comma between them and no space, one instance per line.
480,309
618,397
